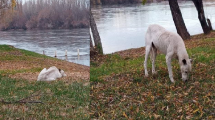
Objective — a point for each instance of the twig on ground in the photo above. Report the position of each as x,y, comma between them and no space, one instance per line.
23,100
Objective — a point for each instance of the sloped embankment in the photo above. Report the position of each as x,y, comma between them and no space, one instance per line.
22,64
22,97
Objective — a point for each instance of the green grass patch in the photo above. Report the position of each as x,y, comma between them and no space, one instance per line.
114,65
6,48
60,101
10,53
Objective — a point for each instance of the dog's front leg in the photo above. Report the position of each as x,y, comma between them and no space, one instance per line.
146,58
154,54
169,66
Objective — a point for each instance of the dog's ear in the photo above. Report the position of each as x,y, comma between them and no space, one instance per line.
191,60
59,70
184,61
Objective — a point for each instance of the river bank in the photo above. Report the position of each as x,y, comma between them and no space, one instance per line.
119,89
23,64
23,97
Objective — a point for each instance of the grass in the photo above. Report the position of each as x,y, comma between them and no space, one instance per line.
11,53
21,58
60,99
119,89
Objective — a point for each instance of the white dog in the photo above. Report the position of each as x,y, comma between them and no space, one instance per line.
170,44
51,74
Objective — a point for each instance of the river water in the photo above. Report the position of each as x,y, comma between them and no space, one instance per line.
124,26
50,41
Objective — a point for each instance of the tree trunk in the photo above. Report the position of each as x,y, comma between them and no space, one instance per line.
95,2
209,24
199,7
95,33
91,43
178,19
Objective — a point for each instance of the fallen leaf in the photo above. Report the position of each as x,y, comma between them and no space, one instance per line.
196,110
125,115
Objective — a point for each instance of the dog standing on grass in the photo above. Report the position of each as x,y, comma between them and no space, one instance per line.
169,44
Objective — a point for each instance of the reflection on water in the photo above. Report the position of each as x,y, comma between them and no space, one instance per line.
50,41
124,26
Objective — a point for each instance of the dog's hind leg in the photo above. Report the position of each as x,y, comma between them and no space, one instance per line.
147,51
153,57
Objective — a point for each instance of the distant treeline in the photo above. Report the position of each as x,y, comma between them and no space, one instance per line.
107,2
46,14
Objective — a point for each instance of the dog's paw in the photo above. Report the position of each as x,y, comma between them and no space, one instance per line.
146,75
154,72
172,80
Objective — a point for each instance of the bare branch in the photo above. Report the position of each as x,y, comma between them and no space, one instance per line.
24,100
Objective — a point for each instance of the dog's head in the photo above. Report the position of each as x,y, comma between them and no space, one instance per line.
62,72
186,68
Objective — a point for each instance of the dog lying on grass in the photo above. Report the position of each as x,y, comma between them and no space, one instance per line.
169,44
51,74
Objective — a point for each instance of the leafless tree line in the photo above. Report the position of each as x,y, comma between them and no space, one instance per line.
46,14
3,4
107,2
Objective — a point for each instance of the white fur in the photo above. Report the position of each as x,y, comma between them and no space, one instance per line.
51,74
169,44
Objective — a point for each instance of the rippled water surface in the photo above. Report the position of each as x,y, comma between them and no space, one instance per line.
50,41
124,26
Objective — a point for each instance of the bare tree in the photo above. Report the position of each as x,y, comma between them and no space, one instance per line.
47,14
95,33
91,43
201,15
105,2
4,4
95,2
178,19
